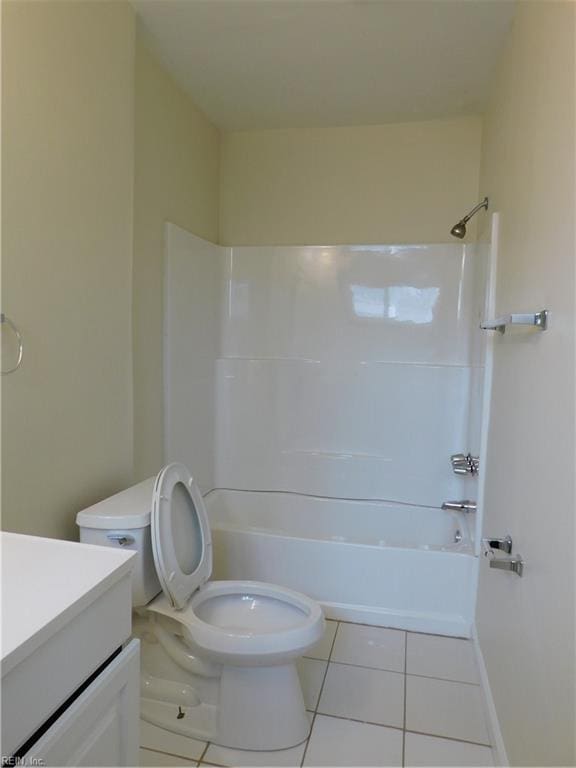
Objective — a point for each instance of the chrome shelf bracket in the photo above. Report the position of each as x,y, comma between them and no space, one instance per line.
504,544
513,563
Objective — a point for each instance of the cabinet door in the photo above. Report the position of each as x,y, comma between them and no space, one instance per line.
101,728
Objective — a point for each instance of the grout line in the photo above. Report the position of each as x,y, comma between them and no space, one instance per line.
320,693
396,671
308,739
445,679
364,722
363,666
439,634
203,755
398,629
450,738
328,662
330,654
408,730
405,700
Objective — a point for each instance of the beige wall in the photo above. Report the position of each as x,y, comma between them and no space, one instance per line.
397,183
526,626
176,179
67,154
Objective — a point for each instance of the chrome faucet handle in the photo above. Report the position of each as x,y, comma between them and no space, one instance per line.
460,506
465,464
459,464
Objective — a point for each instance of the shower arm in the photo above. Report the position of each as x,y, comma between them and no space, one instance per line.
483,204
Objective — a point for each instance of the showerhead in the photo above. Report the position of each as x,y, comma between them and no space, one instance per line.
459,230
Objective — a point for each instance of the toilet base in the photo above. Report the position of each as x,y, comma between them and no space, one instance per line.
261,708
242,707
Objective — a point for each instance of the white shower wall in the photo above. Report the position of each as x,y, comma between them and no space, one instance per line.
192,290
339,371
345,370
349,429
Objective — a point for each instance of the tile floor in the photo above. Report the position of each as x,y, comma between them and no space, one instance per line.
376,697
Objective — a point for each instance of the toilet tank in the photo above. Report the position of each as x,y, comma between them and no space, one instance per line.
123,521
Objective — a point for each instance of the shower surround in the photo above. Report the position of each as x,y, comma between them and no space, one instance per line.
317,393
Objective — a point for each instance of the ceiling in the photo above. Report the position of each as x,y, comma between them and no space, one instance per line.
256,64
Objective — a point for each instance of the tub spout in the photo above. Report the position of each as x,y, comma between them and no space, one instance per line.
460,506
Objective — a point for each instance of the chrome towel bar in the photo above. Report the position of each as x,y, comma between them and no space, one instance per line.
535,319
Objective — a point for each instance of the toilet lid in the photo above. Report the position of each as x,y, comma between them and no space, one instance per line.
181,540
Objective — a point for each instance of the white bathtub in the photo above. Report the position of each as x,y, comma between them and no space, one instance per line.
392,565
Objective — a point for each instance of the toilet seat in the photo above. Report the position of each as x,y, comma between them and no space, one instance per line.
293,625
181,538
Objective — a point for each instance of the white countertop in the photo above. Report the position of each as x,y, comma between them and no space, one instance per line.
45,583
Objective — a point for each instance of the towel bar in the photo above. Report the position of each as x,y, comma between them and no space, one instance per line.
535,319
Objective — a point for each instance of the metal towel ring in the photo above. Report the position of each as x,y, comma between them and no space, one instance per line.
5,319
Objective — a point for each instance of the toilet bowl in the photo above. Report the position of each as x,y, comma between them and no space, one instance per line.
246,623
218,658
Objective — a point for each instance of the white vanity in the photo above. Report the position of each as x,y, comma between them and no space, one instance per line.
70,673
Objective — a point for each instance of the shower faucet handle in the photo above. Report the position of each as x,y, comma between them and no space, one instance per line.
460,506
465,464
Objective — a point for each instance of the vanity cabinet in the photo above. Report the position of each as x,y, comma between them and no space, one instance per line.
70,672
99,727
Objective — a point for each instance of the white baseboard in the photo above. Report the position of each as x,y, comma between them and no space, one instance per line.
496,739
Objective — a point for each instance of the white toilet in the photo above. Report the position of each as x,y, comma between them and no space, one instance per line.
218,658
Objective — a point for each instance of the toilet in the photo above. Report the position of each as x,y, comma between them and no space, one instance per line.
218,659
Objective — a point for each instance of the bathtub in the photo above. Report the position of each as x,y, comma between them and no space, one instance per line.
373,562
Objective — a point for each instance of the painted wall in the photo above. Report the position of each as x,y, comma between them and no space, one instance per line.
526,626
397,183
67,161
177,155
